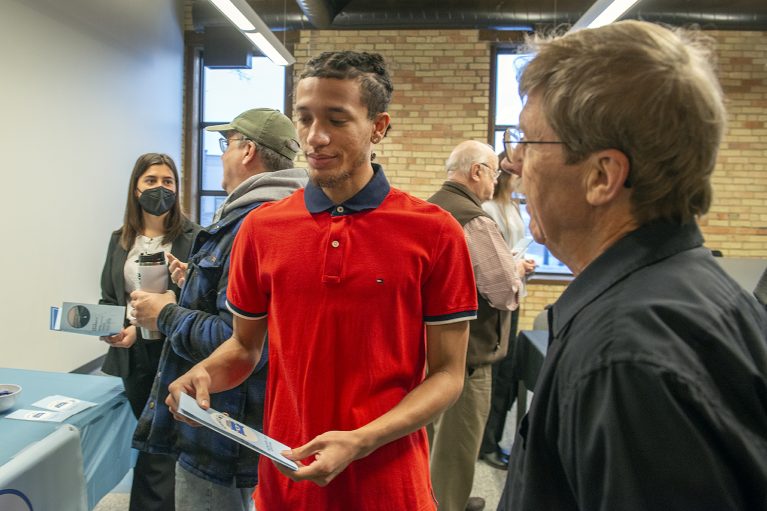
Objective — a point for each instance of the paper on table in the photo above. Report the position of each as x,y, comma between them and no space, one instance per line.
235,430
63,404
37,415
56,409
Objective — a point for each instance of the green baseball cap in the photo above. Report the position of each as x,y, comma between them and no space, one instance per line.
267,127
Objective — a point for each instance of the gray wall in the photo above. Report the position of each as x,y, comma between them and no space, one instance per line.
86,86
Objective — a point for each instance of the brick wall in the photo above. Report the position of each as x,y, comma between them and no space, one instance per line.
442,81
441,90
737,222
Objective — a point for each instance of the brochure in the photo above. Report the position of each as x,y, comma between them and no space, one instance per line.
57,409
520,247
235,430
63,404
87,318
37,415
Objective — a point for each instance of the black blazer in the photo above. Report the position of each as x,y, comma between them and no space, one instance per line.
121,361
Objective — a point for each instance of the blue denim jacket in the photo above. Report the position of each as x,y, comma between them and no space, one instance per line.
194,329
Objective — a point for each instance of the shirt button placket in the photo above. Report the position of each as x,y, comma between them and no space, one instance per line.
335,251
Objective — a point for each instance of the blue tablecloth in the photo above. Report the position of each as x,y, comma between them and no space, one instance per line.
105,430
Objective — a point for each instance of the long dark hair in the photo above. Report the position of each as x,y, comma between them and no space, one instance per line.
133,223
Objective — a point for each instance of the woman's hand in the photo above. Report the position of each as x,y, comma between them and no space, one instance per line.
125,339
529,266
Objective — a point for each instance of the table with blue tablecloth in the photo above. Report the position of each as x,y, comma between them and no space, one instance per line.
101,433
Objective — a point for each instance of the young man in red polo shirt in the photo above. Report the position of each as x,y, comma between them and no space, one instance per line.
362,286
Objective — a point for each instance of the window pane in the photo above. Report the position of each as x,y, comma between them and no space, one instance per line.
208,206
508,104
226,94
212,168
498,142
229,92
545,262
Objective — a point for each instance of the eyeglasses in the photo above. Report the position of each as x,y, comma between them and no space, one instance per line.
514,137
224,143
493,172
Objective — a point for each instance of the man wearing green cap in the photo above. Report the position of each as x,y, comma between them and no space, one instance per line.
212,472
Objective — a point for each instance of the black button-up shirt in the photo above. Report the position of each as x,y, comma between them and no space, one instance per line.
653,394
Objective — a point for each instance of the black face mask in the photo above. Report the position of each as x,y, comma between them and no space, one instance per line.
157,201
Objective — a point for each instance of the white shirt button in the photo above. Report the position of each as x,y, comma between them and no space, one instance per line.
335,243
340,209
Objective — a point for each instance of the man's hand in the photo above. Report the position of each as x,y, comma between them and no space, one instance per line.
195,383
147,307
177,270
125,339
332,452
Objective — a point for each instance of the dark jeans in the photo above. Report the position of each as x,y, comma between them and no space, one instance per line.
503,393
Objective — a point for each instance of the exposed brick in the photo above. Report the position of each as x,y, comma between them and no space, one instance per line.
442,80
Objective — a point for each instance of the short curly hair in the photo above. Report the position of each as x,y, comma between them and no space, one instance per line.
369,68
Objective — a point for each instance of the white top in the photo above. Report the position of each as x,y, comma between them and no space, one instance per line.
508,219
142,245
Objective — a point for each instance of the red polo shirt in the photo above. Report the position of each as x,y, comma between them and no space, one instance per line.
347,289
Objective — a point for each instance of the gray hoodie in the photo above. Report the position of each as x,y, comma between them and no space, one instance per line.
263,187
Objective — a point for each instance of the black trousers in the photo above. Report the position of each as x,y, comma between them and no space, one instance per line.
503,393
154,476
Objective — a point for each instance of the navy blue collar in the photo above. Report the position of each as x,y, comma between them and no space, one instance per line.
370,197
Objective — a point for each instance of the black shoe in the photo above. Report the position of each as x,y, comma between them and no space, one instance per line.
475,504
495,460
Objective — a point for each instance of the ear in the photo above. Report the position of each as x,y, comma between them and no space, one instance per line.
250,153
475,172
380,124
608,173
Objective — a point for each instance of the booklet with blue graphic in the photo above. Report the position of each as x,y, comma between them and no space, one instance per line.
87,318
235,430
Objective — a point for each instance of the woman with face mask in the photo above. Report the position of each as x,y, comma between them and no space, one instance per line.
153,223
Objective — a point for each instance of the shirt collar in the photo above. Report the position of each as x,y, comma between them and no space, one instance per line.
646,245
370,197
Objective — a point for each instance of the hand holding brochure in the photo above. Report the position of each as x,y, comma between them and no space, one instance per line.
235,430
87,318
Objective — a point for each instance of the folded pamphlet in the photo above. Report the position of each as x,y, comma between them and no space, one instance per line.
235,430
87,318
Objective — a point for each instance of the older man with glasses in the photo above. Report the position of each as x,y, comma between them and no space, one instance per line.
653,393
472,170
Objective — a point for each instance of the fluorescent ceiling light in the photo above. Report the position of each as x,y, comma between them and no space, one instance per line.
267,49
242,15
228,9
603,12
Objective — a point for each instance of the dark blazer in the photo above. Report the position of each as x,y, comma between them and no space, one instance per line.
121,361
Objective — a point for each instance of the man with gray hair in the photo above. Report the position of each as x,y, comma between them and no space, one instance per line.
457,433
653,393
258,148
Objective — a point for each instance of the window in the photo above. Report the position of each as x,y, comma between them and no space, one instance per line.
506,107
225,93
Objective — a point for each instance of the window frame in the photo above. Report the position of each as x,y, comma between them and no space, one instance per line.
194,125
548,276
